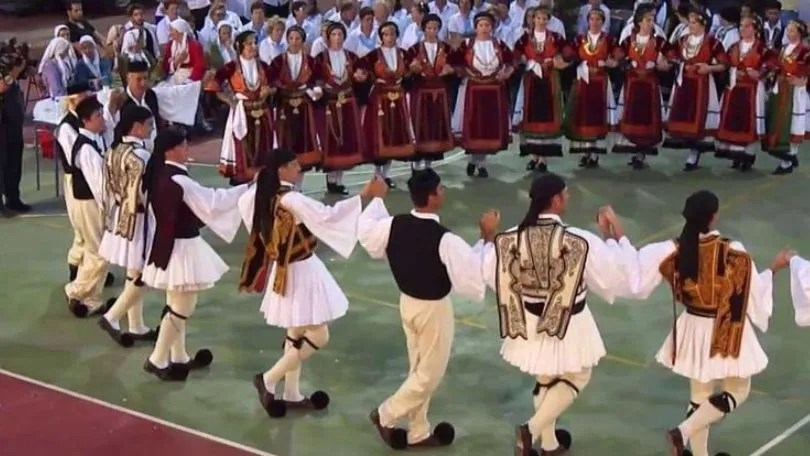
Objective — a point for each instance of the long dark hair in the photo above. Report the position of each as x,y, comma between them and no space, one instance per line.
544,188
267,187
165,141
698,211
130,115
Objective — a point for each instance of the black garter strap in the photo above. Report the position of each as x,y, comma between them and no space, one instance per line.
296,343
552,384
137,281
693,406
724,402
309,342
169,310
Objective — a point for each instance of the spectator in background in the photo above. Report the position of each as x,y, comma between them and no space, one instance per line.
171,12
199,11
78,26
582,21
12,116
257,22
91,66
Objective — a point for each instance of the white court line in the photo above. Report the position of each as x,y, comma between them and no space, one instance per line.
142,416
404,172
781,437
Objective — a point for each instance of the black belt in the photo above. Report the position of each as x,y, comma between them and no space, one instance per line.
701,312
537,308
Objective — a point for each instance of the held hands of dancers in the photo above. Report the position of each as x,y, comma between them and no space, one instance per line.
782,260
375,188
609,223
489,223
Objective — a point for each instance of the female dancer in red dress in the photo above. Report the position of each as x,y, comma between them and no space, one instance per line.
694,109
591,108
482,109
742,115
293,74
342,136
249,135
539,106
787,107
640,109
430,99
387,120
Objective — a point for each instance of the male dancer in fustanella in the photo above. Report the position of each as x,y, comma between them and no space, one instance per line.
425,273
542,272
86,162
302,298
127,231
180,261
65,134
713,342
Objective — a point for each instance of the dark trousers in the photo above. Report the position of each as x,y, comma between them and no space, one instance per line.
280,11
199,17
11,150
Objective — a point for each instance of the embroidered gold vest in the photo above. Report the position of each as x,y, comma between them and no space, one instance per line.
543,262
289,242
122,175
721,291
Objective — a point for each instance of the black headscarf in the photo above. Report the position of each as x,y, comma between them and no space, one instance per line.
698,211
544,188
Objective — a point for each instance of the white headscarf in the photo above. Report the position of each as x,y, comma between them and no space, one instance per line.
49,50
92,63
59,53
227,51
180,25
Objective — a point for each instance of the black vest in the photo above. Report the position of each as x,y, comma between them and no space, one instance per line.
72,121
173,218
81,190
413,254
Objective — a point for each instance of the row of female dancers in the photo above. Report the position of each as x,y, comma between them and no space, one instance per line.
337,111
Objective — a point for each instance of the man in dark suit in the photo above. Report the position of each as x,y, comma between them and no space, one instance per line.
12,116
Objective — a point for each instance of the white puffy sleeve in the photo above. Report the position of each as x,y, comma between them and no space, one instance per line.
800,289
374,228
334,225
464,266
216,207
642,267
247,205
603,272
760,293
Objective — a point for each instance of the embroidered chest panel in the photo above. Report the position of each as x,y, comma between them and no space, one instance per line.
544,263
122,176
720,292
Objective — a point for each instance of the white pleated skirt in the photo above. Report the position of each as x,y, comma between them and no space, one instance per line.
194,266
541,354
312,296
694,345
122,252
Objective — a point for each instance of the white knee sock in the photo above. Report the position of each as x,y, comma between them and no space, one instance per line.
292,359
169,331
292,379
135,319
178,350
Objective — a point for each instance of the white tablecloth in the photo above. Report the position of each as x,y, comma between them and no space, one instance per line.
177,104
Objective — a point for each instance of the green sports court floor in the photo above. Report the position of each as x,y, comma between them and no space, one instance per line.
625,410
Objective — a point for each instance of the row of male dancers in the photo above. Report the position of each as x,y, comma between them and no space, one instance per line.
541,272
